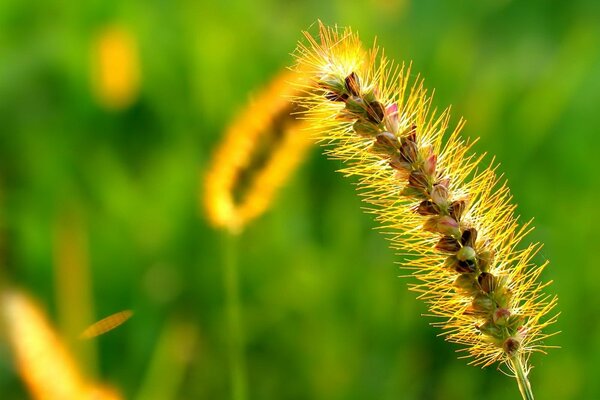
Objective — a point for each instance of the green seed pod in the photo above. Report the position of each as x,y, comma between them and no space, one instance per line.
484,260
492,332
418,180
502,295
332,83
482,303
451,264
466,284
514,323
369,96
466,253
412,192
356,105
501,316
365,128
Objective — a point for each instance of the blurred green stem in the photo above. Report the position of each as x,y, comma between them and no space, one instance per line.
521,375
234,320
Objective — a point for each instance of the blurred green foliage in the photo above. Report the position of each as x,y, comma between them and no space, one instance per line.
325,315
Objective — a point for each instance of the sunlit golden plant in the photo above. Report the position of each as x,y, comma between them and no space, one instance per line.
42,360
440,205
261,148
115,67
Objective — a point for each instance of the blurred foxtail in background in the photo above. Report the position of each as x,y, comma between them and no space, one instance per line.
439,205
42,359
262,147
115,67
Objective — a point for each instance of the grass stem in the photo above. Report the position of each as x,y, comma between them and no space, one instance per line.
521,375
234,321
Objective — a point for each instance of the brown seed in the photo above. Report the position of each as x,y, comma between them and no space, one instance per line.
456,209
469,237
448,244
332,96
397,163
431,224
409,150
427,207
387,139
466,266
353,84
418,180
376,111
511,345
486,282
411,133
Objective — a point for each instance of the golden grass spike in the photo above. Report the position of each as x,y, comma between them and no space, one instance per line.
115,67
106,324
42,360
262,147
440,205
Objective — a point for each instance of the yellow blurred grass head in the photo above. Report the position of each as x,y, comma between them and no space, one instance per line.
261,148
42,360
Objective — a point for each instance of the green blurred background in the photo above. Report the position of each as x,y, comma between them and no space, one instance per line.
325,315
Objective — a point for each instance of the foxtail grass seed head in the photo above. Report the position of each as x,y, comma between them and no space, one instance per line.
442,206
261,149
115,67
42,360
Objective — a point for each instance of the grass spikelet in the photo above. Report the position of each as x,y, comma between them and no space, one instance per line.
452,215
262,147
44,363
115,68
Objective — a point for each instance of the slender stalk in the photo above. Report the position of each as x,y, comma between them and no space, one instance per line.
521,375
234,323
